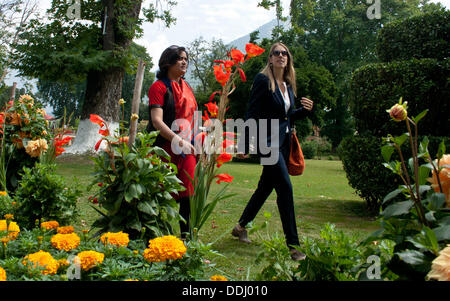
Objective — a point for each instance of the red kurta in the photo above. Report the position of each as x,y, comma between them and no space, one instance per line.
185,107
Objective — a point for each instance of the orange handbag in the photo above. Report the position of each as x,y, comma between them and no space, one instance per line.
296,164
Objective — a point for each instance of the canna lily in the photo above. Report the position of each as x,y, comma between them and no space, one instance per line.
59,143
104,132
242,74
214,94
223,158
213,109
223,177
97,120
253,50
237,56
221,76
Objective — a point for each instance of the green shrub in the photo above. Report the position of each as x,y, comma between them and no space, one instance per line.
422,83
363,164
136,187
422,36
310,149
6,205
43,195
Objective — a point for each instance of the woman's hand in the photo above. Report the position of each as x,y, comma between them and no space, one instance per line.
307,103
186,147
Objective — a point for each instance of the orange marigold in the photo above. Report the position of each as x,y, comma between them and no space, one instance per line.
42,259
65,242
89,259
13,229
218,278
2,274
118,239
164,248
50,225
65,230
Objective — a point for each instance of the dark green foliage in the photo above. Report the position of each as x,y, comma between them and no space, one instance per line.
136,188
310,149
362,162
422,36
44,195
424,84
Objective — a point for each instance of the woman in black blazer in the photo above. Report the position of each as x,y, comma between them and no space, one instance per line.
272,97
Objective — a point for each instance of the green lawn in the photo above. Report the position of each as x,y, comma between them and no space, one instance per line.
321,195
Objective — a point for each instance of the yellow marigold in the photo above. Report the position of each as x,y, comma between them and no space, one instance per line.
2,274
164,248
9,216
26,98
65,230
89,259
218,278
13,228
4,193
36,147
440,268
42,259
63,263
134,117
41,111
65,242
444,177
131,280
118,239
50,225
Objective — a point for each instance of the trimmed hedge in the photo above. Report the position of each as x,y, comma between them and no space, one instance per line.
424,83
422,36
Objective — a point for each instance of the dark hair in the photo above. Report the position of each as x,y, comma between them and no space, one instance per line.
168,58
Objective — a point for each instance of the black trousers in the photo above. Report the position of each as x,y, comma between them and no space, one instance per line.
275,176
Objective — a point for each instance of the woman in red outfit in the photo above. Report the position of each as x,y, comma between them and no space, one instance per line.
172,110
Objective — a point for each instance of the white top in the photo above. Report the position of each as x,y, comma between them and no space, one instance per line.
287,102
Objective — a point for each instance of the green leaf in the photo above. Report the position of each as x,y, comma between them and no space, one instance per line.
412,257
397,209
393,194
135,224
401,139
420,116
441,150
436,201
442,233
147,208
387,151
424,173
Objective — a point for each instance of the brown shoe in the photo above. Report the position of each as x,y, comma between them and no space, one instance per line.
297,255
240,232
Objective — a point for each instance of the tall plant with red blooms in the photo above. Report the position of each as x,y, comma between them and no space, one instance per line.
214,143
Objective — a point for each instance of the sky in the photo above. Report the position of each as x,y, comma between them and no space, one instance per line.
226,20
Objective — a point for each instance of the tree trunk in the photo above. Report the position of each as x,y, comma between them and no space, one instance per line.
104,87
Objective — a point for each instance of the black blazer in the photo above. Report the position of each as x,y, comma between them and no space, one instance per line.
265,104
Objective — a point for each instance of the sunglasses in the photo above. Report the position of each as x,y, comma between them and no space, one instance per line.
278,52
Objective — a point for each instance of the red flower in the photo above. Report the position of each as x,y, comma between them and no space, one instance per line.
100,184
95,201
97,146
223,177
242,74
213,109
228,65
59,143
206,117
237,56
223,158
221,76
253,50
104,132
97,120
